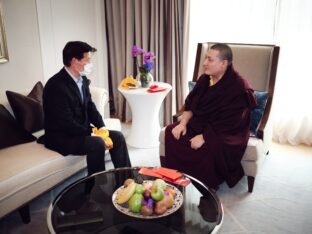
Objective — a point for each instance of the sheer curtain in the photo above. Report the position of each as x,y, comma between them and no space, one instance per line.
292,104
287,23
154,25
241,21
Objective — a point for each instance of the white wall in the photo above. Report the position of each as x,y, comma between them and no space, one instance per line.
37,32
239,21
24,68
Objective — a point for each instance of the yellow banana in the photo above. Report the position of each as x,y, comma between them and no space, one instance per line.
127,82
125,194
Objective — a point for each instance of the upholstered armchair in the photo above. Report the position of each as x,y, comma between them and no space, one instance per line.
258,64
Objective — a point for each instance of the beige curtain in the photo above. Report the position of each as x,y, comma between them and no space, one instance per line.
160,26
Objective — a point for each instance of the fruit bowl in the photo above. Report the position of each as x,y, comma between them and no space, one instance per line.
124,208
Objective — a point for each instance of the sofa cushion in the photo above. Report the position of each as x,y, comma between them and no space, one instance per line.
30,169
191,85
11,132
28,109
256,114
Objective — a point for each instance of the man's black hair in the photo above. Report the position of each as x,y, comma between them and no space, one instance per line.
75,49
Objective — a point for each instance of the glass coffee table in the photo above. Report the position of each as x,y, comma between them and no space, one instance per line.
86,207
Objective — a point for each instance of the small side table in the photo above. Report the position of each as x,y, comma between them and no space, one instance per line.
145,115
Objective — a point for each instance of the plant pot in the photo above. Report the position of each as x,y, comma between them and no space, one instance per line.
145,79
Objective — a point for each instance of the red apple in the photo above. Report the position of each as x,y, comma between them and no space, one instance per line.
147,194
147,210
160,208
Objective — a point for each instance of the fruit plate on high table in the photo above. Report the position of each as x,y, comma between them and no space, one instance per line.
125,207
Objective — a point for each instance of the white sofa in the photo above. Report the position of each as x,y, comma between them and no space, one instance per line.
28,170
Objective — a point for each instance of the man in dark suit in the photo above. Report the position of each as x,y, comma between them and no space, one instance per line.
69,112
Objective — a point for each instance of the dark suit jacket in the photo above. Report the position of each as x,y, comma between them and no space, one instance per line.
66,118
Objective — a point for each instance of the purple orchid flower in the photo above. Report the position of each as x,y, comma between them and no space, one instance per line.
136,50
148,57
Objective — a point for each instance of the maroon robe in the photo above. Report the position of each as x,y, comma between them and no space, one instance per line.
222,114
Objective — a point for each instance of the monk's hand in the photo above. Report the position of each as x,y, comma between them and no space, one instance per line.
197,141
178,130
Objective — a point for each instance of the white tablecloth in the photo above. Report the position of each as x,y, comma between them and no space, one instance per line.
145,115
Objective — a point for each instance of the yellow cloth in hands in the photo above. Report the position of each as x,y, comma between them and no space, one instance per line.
127,82
104,133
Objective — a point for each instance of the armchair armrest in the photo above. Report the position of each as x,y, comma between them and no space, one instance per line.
175,117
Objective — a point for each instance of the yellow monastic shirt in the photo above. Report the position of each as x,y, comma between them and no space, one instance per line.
211,81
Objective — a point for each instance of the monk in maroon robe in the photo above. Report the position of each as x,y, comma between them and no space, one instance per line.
210,140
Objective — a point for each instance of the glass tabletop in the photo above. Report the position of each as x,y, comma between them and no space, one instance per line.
86,207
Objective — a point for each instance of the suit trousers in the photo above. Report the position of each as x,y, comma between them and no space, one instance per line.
94,148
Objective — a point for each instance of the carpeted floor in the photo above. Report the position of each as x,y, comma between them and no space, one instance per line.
280,203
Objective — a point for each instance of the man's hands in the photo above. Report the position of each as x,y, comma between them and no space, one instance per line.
104,134
178,130
197,141
107,145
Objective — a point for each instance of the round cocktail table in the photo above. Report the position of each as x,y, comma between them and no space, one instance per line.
145,107
86,207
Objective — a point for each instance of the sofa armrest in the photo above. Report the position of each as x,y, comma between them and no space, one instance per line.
100,98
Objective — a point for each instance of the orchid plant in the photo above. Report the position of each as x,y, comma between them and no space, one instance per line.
144,60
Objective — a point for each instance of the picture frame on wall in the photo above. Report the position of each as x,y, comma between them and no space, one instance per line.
4,56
